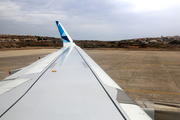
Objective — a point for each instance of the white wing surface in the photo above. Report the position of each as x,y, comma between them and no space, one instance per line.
65,85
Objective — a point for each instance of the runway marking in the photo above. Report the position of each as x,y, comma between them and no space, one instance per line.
124,67
148,65
151,92
5,70
5,62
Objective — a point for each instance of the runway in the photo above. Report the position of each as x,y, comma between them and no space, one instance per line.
144,75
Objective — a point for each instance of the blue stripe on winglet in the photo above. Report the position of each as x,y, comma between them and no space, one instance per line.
62,33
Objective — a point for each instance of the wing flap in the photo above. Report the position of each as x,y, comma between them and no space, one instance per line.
8,85
37,66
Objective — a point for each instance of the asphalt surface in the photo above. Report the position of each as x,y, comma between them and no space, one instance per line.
144,75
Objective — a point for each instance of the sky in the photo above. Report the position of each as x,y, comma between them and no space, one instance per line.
91,19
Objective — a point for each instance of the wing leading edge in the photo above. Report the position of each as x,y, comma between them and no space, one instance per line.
69,85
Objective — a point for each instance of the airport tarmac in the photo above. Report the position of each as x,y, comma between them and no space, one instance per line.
144,75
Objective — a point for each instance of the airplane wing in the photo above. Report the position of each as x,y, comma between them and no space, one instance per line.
66,85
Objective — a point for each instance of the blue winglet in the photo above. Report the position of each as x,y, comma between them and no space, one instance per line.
64,36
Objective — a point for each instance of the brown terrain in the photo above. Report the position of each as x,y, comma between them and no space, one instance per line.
158,43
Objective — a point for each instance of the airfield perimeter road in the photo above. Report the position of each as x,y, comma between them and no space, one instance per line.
144,75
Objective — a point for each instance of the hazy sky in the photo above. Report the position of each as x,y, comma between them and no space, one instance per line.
91,19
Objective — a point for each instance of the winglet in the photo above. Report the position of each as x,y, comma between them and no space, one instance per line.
64,35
